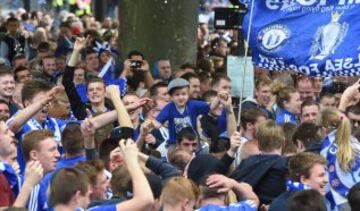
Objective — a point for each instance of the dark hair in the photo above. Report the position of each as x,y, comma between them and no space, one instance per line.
135,53
217,78
219,144
338,87
283,95
87,51
65,183
171,91
187,133
188,76
72,139
354,197
19,56
355,109
12,19
324,94
154,88
65,24
209,94
307,133
19,69
250,116
32,88
288,146
187,65
308,200
105,148
309,103
44,47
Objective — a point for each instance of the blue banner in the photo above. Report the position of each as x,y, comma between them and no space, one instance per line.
313,37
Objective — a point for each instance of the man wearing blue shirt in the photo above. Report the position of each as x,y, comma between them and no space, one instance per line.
40,145
69,189
73,143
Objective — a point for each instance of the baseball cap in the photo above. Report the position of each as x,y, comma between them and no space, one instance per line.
177,83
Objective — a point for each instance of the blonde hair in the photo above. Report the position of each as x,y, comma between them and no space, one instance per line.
330,119
178,189
270,136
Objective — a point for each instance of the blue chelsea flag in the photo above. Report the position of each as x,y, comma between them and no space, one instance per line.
313,37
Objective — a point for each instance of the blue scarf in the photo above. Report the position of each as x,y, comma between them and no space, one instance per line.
296,186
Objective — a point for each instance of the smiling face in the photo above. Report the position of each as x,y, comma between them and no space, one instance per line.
47,154
309,113
318,178
96,92
263,95
294,103
7,86
180,97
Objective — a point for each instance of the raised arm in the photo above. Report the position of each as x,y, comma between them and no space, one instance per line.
226,100
77,106
143,198
27,113
122,114
33,175
348,97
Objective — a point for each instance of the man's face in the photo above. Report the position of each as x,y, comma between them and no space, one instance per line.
222,49
131,99
47,154
294,104
99,189
92,62
306,90
13,27
309,113
205,85
23,76
96,92
4,111
6,139
263,95
328,102
164,69
318,178
20,62
79,76
7,86
194,88
60,63
180,97
355,119
84,201
162,93
49,66
188,145
223,85
318,83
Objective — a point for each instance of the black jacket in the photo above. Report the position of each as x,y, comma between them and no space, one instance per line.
265,173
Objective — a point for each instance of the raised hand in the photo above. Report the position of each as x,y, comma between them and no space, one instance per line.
53,93
129,151
88,127
143,102
80,43
221,182
33,173
235,141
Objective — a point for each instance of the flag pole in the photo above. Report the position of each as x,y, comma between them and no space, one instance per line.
246,47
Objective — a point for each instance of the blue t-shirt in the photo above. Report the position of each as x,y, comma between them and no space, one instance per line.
52,124
38,200
122,83
178,120
286,116
247,205
63,163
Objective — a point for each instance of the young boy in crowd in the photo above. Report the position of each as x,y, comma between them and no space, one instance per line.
182,112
